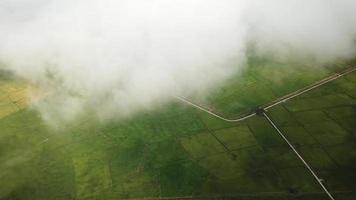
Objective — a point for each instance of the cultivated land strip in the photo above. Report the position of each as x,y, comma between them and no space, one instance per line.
260,195
277,101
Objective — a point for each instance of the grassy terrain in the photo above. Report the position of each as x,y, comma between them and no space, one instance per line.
180,151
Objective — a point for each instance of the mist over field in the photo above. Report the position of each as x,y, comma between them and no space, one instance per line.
122,56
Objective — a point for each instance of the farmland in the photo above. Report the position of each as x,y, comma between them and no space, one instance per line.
178,151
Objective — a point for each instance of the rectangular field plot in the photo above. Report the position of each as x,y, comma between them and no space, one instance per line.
264,132
328,133
233,166
299,135
308,103
282,157
236,137
201,145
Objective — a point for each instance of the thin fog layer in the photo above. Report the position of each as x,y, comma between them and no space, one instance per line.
122,56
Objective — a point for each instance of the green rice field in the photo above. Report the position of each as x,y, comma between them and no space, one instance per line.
180,152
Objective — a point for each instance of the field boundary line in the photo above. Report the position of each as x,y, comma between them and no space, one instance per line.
276,102
215,197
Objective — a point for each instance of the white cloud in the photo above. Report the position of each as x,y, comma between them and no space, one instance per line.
122,56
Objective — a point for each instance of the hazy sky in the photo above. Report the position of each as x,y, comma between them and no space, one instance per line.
122,56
